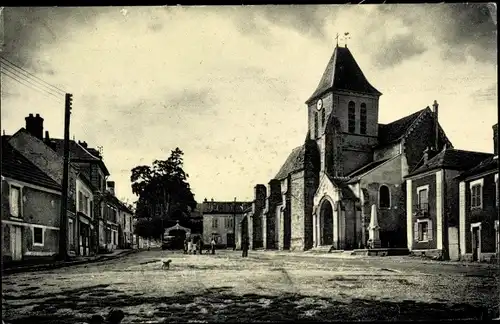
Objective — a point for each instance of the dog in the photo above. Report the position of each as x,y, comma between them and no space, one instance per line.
166,264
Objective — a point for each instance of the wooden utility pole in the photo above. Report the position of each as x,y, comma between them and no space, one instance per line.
63,232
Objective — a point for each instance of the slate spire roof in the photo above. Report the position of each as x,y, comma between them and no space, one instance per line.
343,73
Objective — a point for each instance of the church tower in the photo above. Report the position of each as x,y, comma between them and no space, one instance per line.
343,115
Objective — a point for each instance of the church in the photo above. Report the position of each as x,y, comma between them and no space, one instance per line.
348,168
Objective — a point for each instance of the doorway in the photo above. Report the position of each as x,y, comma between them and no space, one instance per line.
326,225
179,236
16,246
230,240
476,243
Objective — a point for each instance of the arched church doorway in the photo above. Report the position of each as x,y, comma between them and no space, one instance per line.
326,214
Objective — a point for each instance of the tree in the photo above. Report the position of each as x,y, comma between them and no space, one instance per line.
163,191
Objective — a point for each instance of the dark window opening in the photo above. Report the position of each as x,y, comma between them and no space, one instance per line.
363,119
384,197
37,235
351,117
323,117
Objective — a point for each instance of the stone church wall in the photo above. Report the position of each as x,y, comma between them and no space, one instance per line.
387,151
297,206
391,220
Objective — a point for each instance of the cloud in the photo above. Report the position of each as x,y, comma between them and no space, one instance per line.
459,30
398,49
308,20
488,94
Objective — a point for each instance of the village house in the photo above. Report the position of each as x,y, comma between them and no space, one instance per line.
478,209
90,162
92,211
126,223
432,202
343,188
31,203
219,221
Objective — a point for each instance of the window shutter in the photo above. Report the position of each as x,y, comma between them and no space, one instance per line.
415,231
429,230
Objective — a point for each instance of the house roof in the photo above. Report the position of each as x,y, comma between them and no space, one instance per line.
343,73
368,167
392,132
488,164
16,166
452,159
117,202
294,162
78,152
344,188
225,207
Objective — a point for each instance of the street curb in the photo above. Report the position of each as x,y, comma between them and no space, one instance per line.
58,265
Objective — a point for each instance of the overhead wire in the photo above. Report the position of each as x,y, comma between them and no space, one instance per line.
13,74
29,80
31,74
13,77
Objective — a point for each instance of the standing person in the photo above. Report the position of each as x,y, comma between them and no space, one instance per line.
200,246
190,245
212,245
245,247
186,245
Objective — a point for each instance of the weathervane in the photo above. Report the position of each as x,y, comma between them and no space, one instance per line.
345,38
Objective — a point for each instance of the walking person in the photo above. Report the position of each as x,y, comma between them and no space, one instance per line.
244,247
212,245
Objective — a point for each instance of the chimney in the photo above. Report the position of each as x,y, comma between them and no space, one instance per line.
436,125
495,139
34,125
83,144
111,187
205,200
260,195
429,153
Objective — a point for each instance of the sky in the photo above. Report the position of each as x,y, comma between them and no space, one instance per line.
227,85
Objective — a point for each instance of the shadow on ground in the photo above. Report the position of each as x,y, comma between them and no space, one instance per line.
220,304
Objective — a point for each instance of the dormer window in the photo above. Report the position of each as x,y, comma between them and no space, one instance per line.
362,119
351,117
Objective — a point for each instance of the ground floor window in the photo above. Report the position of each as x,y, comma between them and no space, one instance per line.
423,230
71,231
38,236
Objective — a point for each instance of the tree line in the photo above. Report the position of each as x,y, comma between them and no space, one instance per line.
163,195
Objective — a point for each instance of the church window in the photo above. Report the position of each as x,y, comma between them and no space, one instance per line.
384,197
352,117
323,117
315,125
362,119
